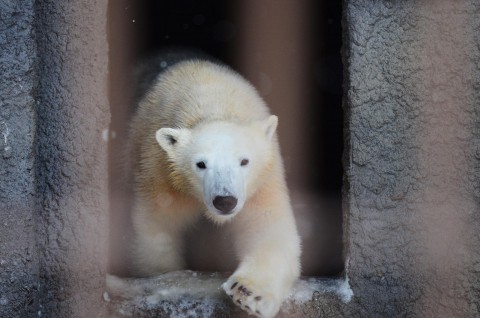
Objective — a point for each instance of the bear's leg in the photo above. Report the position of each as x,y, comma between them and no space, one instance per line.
158,243
269,250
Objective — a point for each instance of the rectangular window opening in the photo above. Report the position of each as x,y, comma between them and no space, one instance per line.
290,51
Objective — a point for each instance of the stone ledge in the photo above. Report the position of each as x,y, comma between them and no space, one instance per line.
199,294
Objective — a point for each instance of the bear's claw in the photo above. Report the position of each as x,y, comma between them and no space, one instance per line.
250,301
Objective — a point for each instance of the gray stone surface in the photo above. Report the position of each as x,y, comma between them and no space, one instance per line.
411,205
197,294
18,257
53,206
72,114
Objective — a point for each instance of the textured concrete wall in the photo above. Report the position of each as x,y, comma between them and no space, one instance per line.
53,173
412,163
72,112
18,257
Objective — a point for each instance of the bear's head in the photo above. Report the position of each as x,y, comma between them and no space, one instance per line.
222,162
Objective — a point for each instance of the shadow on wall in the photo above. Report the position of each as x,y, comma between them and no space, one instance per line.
291,52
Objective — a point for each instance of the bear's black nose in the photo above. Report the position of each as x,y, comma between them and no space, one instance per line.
225,204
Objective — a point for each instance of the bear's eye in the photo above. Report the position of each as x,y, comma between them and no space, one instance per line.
201,165
244,162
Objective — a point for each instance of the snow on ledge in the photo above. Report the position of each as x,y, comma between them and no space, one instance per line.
189,294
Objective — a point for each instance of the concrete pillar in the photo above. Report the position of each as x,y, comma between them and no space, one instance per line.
53,165
413,174
18,256
71,149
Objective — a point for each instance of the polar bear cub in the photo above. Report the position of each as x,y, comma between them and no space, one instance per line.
203,140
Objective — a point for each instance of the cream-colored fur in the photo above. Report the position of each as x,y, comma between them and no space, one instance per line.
199,111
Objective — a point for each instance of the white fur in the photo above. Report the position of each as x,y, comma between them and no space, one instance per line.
221,146
193,130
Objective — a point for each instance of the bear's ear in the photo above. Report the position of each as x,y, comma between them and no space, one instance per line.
169,139
269,126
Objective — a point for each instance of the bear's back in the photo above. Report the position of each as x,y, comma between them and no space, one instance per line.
193,92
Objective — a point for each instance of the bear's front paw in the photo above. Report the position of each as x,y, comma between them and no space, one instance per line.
251,297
